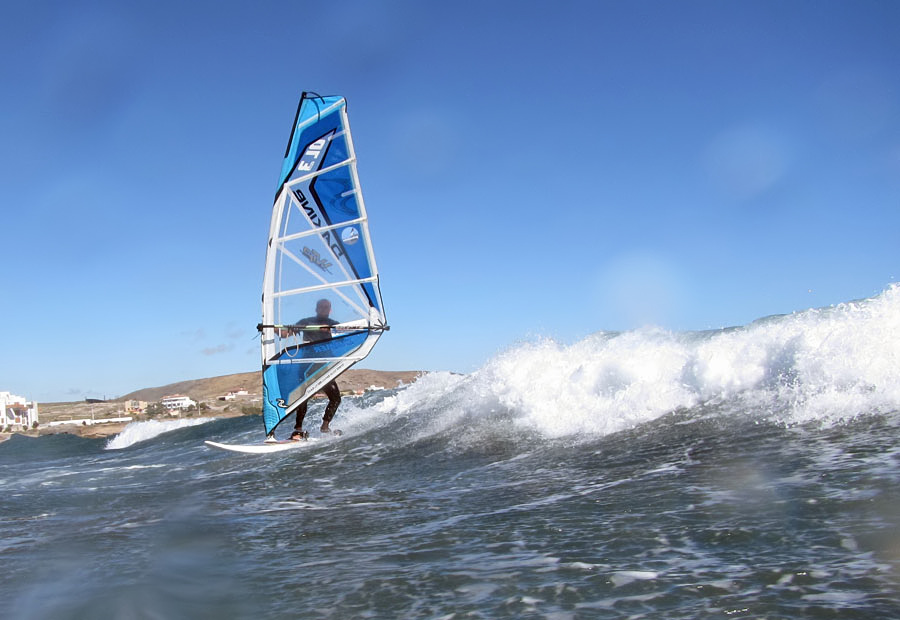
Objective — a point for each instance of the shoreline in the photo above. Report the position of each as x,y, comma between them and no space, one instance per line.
104,430
209,392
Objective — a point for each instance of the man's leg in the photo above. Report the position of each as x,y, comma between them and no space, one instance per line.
298,424
334,399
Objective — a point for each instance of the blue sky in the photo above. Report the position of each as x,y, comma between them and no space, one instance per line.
530,169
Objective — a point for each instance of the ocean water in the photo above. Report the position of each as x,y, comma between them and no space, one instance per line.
752,472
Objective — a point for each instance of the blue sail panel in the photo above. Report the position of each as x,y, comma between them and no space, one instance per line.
285,383
315,114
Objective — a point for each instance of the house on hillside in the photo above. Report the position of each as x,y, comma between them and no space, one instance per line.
135,406
16,412
175,402
234,393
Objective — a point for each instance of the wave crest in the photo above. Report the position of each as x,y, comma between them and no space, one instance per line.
142,431
824,365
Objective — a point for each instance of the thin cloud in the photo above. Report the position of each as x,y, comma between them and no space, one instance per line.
235,331
222,348
195,334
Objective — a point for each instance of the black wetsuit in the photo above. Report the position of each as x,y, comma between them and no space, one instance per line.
316,335
331,389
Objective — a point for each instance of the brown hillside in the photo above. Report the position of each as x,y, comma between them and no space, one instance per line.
213,387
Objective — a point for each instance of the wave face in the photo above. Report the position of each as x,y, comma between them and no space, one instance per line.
137,432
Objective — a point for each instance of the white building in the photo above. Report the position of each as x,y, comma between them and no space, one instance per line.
234,393
176,401
16,412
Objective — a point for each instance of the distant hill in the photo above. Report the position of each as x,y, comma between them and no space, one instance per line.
213,387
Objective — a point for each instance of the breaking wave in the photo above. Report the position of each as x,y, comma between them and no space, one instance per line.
142,431
826,365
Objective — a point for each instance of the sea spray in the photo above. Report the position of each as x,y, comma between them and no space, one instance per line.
822,365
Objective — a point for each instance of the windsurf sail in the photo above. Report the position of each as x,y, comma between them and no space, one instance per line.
321,305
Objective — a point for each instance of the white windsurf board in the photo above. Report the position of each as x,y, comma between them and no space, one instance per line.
259,448
267,447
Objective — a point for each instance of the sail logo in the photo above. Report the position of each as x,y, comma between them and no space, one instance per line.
312,154
313,257
316,220
350,235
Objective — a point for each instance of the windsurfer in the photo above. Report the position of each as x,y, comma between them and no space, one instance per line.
331,389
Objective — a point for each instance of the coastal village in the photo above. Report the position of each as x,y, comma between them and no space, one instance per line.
225,396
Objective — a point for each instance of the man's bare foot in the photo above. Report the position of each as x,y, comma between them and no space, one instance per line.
299,435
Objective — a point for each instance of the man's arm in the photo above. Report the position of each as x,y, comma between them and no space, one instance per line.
284,332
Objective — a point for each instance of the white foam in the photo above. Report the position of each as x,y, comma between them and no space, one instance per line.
823,365
601,384
624,577
142,431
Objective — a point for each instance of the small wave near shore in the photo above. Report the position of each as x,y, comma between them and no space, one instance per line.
137,432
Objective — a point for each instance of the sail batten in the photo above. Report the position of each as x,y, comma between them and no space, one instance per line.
320,264
321,287
300,180
318,230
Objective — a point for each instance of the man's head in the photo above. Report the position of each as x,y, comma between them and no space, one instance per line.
323,308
